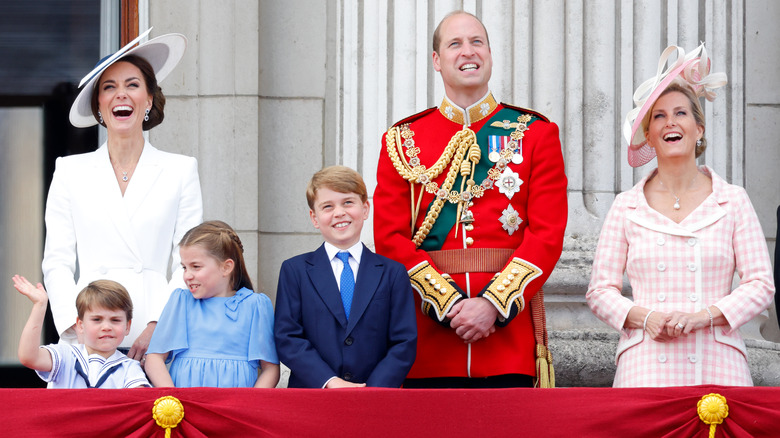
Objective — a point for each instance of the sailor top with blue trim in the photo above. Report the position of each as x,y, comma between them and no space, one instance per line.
73,367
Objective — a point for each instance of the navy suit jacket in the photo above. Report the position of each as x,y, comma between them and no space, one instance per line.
313,338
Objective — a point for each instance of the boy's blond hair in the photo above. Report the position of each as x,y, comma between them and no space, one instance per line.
340,179
107,294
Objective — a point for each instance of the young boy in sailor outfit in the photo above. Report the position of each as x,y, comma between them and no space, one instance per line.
105,312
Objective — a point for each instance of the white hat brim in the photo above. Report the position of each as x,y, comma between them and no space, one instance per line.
163,54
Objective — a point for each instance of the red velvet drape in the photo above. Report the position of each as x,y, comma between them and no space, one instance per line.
570,412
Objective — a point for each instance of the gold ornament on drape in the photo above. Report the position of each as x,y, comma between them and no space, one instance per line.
712,409
168,413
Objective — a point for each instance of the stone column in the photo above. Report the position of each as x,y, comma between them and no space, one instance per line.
269,92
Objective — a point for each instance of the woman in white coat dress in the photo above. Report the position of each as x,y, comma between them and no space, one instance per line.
118,213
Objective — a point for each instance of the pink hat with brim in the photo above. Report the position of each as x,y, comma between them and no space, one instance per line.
692,69
163,54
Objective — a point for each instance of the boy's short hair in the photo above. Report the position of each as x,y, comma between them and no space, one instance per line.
340,179
107,294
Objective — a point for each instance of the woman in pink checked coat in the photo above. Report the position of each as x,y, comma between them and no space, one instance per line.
680,234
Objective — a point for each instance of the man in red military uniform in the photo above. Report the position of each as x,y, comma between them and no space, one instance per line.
471,198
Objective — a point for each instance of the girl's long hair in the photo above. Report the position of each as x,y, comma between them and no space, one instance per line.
221,242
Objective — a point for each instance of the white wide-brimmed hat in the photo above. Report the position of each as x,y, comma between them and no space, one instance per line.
163,54
693,69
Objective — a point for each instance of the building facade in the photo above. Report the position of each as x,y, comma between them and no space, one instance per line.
271,91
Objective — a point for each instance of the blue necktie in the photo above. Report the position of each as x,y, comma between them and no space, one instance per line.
347,282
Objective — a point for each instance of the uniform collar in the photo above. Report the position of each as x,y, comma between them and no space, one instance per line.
473,114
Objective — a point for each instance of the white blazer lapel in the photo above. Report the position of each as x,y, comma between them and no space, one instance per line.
644,217
114,205
709,212
145,175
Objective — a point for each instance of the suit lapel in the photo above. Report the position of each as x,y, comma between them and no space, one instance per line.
146,173
369,274
110,197
321,275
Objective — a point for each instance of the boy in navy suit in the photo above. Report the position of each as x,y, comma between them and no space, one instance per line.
344,315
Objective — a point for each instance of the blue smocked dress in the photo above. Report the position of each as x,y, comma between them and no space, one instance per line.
218,341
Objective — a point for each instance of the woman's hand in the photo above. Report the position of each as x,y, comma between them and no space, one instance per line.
656,323
141,344
651,321
683,323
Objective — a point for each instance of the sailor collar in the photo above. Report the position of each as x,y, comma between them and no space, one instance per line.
473,114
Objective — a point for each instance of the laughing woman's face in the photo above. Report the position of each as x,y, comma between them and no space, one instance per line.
123,98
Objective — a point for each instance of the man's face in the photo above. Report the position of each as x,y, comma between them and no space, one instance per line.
463,57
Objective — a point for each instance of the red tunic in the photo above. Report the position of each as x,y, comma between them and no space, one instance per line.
542,206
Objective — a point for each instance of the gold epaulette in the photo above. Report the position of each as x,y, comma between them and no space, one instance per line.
435,289
526,111
508,285
414,117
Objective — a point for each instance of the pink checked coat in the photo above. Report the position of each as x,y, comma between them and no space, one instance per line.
685,267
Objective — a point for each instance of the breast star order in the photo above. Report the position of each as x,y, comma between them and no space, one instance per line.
509,182
510,219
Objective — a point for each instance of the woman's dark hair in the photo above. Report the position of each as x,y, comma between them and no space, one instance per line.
156,114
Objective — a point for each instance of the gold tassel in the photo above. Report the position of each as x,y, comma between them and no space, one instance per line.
552,373
545,374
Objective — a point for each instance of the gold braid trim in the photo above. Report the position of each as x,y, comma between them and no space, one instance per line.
434,289
394,145
508,285
459,144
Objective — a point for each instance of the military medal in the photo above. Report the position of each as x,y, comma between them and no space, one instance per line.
510,219
509,182
517,148
496,143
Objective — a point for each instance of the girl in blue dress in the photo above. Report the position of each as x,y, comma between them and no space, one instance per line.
219,332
